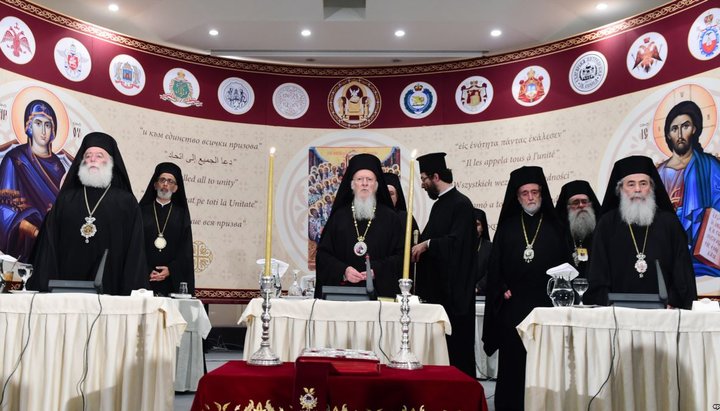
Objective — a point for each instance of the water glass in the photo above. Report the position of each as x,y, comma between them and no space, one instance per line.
183,288
580,285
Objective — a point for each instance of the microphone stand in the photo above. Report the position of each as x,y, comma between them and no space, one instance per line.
416,233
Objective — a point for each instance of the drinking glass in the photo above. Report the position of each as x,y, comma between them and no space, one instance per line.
183,288
24,273
580,285
295,289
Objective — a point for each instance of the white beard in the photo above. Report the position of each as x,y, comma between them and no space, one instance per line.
164,195
582,222
532,209
640,212
100,179
364,209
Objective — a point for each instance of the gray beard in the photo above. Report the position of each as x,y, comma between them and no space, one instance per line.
532,209
364,209
640,212
100,179
164,195
582,222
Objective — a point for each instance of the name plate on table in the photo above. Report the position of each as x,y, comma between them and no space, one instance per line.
341,361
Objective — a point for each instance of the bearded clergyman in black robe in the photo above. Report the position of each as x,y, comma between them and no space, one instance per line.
639,227
168,231
446,257
95,211
578,207
362,222
530,239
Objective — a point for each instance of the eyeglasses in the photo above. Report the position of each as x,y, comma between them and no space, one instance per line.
169,181
582,201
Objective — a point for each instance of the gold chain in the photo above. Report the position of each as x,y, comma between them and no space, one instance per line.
157,223
522,221
90,213
359,238
635,242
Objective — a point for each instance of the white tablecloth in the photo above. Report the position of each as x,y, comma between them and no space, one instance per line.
485,367
654,367
190,361
297,324
130,353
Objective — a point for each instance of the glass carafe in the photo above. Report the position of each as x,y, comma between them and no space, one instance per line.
560,292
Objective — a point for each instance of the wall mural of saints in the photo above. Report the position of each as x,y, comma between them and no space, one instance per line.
32,167
326,167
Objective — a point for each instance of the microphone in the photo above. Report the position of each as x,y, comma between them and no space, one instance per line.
662,288
369,286
100,272
416,234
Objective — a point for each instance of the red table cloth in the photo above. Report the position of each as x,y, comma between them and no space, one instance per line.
238,386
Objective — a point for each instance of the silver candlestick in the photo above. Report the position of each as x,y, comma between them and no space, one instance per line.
405,359
264,355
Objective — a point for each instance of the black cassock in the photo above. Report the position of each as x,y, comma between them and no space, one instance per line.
612,266
447,272
62,253
384,242
528,284
178,254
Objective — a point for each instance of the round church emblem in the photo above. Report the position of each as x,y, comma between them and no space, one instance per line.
354,103
588,72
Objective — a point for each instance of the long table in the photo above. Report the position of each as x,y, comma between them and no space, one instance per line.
485,367
190,359
127,362
238,386
621,359
362,325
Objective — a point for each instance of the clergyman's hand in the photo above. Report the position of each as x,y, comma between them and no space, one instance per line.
418,249
160,273
354,276
507,295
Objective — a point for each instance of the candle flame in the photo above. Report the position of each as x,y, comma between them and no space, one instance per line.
413,154
272,150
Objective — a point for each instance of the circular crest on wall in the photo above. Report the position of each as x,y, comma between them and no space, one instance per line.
647,55
531,85
127,75
704,35
291,101
588,72
236,95
72,59
418,100
474,95
181,88
354,103
18,41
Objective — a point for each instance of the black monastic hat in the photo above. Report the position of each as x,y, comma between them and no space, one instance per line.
363,161
178,198
120,177
518,178
393,179
635,165
432,163
574,188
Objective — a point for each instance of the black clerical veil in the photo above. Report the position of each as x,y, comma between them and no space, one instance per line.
178,198
120,177
518,178
635,165
480,216
344,195
574,188
393,179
